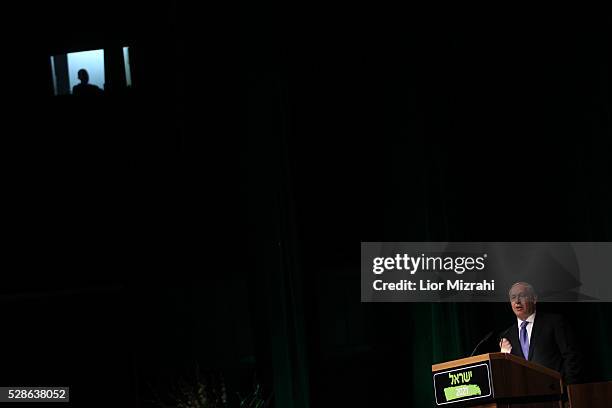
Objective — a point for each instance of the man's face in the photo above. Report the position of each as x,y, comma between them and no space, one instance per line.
83,76
522,302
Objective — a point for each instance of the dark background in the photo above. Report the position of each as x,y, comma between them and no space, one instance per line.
211,217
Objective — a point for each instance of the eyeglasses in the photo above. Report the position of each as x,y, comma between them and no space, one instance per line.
520,296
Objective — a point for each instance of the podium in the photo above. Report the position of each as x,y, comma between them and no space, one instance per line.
590,395
496,380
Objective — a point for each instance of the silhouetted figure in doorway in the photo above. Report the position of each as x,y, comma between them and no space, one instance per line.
85,88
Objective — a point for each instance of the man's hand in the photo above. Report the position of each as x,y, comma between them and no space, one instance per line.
505,346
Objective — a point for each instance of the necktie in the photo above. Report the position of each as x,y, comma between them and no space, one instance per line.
524,339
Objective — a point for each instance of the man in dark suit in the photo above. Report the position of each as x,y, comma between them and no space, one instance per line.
542,338
84,88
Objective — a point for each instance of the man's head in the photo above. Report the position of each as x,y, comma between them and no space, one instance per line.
523,299
83,76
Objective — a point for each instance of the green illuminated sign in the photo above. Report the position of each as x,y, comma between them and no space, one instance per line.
464,377
463,383
461,391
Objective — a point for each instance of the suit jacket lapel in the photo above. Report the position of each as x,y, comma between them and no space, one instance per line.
535,330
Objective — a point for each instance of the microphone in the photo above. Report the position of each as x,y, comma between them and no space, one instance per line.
482,341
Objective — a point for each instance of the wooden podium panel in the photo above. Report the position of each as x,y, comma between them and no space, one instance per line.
591,395
510,369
